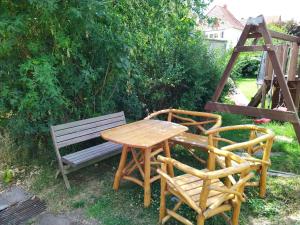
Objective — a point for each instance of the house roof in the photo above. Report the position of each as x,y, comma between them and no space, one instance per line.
225,16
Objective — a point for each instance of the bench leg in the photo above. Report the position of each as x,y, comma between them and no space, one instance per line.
62,171
122,164
57,174
66,180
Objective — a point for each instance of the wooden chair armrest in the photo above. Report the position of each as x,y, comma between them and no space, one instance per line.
184,168
243,180
246,144
239,127
257,160
245,166
224,153
154,114
229,191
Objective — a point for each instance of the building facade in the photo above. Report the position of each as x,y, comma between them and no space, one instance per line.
225,26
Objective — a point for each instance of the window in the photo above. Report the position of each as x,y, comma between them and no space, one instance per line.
211,36
222,34
216,35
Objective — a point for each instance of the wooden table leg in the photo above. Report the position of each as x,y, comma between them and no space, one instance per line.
147,187
122,164
168,154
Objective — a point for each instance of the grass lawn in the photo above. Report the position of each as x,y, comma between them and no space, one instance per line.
92,187
247,86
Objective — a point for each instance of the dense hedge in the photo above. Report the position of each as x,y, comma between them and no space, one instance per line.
247,66
66,60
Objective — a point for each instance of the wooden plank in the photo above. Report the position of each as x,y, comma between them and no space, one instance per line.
284,37
277,35
89,126
253,48
144,133
277,69
101,152
95,158
92,150
86,121
191,139
89,131
252,111
293,62
95,154
89,135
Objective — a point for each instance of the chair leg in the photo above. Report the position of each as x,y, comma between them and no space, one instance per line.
168,155
200,220
236,213
263,181
162,208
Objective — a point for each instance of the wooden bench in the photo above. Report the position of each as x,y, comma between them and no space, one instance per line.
64,135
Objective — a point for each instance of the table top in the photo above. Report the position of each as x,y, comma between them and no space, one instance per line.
143,133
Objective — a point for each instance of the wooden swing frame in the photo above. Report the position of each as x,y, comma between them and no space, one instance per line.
256,28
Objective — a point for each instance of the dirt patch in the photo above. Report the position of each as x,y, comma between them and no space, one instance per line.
76,217
293,219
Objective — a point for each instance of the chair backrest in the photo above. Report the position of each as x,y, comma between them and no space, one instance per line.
259,139
83,130
201,120
229,191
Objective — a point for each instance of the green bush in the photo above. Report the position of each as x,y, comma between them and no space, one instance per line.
247,66
67,60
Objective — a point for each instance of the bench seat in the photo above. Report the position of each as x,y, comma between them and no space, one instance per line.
95,153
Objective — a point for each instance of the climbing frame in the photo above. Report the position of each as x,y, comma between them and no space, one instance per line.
256,28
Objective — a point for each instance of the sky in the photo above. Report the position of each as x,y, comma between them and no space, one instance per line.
288,9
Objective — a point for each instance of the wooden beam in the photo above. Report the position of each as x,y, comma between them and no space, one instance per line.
284,37
255,35
253,111
297,130
293,62
230,64
258,96
277,35
253,48
297,97
277,69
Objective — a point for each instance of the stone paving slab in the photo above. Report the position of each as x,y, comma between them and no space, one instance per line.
12,196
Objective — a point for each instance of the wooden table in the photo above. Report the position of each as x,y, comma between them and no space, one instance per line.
151,138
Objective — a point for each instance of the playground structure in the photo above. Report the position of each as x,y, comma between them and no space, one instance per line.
280,78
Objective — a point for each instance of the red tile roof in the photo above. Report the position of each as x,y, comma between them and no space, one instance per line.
225,16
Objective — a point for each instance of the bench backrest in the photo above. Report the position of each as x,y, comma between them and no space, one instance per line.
83,130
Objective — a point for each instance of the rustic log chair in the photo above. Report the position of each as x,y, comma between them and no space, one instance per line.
83,130
256,149
203,190
198,122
